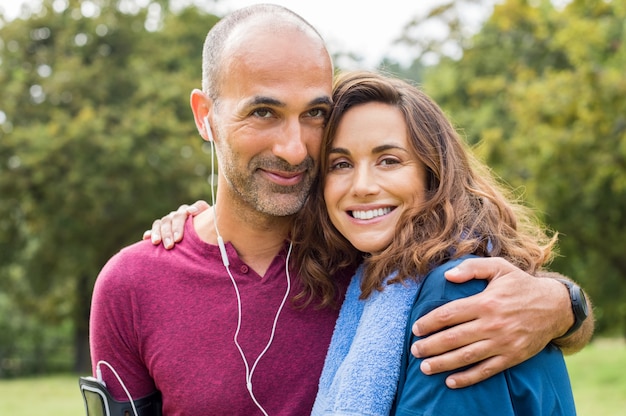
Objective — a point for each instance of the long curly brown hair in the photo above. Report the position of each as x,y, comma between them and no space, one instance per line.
466,210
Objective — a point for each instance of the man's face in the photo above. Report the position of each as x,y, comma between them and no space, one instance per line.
269,118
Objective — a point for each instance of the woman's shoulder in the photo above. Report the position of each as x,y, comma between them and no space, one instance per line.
436,287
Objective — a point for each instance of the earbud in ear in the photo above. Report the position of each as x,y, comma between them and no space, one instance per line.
207,128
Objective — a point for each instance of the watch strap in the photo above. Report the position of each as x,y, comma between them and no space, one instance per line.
578,303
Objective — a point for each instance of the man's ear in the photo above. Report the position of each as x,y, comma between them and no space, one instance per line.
201,106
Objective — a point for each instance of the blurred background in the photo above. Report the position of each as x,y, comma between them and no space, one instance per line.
97,140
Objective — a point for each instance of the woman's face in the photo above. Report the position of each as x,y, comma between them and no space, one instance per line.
373,175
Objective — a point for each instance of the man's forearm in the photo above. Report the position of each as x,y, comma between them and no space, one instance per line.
579,339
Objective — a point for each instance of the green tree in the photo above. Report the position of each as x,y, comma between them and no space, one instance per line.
96,140
541,91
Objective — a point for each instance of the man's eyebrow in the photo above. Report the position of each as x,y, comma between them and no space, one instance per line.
263,100
322,101
273,102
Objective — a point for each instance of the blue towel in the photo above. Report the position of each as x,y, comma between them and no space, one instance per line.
362,367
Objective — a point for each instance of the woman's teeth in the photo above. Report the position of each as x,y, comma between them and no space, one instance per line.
369,214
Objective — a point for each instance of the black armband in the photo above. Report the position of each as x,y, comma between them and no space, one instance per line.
99,402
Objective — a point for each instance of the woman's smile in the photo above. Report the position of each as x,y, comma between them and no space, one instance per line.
373,175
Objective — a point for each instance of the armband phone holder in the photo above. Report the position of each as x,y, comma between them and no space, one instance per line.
99,402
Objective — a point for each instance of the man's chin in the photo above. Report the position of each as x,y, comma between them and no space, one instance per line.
281,205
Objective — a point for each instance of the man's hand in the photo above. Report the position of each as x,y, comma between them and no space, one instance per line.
513,319
170,228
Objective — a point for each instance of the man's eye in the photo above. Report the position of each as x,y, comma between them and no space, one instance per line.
318,112
262,113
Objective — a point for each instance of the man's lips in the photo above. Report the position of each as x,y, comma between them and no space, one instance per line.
284,178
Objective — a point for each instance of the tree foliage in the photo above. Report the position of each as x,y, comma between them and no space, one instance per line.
96,140
542,91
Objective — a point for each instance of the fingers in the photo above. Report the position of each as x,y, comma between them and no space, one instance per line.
175,224
472,353
198,207
155,232
169,230
489,268
450,314
485,357
161,231
450,361
456,359
166,227
477,373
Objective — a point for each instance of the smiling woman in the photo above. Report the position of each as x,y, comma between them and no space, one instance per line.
373,176
399,192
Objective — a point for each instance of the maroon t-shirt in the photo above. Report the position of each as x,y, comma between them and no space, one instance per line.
166,320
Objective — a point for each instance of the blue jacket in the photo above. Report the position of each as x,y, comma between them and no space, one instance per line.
538,386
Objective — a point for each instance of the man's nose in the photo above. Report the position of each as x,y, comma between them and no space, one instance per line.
292,145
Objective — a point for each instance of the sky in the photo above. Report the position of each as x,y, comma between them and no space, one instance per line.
365,28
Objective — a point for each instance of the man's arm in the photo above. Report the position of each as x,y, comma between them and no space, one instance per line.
513,319
581,337
113,331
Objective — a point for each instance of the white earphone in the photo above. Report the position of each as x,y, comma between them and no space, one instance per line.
207,128
220,242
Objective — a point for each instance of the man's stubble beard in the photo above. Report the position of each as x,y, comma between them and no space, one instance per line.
262,195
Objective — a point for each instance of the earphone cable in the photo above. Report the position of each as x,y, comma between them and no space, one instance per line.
119,380
226,262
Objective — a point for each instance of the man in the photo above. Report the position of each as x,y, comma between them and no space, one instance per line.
211,324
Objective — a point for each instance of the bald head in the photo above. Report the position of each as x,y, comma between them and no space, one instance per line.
234,35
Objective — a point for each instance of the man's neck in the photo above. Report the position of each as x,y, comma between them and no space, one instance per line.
257,237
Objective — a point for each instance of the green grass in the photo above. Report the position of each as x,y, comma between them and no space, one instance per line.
50,395
598,378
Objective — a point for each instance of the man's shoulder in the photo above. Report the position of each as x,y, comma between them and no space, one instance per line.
131,263
143,262
135,254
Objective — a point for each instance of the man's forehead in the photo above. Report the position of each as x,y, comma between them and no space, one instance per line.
271,66
263,32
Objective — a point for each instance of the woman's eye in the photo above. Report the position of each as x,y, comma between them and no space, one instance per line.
339,165
389,161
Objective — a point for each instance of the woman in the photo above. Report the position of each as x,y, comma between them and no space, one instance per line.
401,198
399,192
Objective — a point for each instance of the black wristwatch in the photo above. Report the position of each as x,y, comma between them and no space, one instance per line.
579,305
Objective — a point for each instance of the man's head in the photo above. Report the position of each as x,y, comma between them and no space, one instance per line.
222,36
267,80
